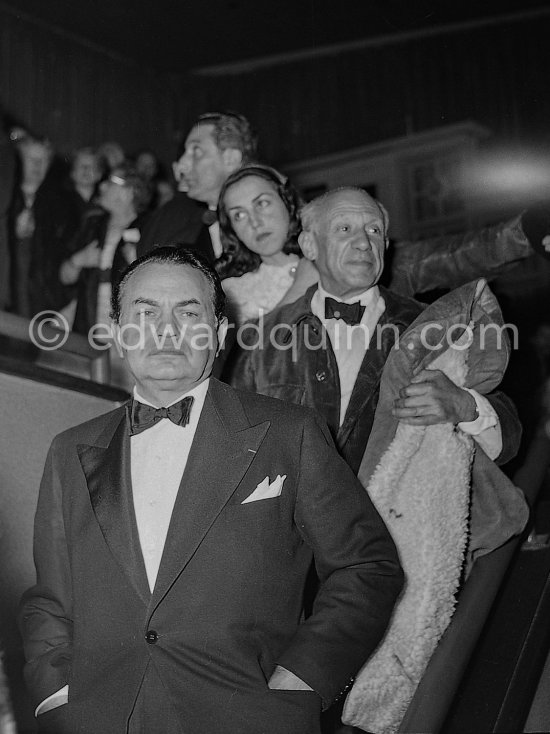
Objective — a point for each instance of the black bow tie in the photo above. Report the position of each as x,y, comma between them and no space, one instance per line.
351,313
209,217
141,416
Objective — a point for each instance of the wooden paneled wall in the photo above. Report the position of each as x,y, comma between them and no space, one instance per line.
495,74
78,94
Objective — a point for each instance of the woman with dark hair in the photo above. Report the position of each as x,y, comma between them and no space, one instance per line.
259,227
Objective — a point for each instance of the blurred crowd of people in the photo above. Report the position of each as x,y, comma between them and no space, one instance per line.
50,205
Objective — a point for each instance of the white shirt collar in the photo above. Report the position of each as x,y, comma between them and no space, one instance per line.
214,230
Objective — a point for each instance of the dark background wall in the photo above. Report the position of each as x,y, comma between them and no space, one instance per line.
79,94
494,72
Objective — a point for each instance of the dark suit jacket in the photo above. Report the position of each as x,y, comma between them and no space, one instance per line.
304,371
227,605
179,222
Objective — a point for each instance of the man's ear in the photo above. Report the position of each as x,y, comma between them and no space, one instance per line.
308,245
117,338
223,326
232,158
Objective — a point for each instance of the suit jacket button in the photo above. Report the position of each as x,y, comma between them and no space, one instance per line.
320,376
151,637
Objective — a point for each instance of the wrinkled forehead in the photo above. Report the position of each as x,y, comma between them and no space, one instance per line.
169,281
351,199
354,203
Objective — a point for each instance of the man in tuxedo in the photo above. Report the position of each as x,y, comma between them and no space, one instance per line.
316,351
174,536
217,144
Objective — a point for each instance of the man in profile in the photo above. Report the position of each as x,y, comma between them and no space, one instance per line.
174,536
217,144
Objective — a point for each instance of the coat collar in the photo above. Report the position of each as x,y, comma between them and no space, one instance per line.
400,311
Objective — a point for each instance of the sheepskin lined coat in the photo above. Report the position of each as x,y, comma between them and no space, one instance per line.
443,499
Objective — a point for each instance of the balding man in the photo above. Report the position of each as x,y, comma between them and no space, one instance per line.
313,353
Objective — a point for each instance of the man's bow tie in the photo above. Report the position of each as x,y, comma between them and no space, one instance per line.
351,313
209,217
141,416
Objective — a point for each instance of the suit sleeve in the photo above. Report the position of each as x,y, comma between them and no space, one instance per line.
46,609
357,564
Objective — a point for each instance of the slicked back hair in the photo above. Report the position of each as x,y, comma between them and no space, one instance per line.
230,130
175,255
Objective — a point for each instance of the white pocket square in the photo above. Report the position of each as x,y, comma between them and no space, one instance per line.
265,490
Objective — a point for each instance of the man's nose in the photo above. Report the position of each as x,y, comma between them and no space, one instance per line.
185,163
168,326
361,241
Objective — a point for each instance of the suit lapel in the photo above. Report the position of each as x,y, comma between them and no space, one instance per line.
106,466
223,448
